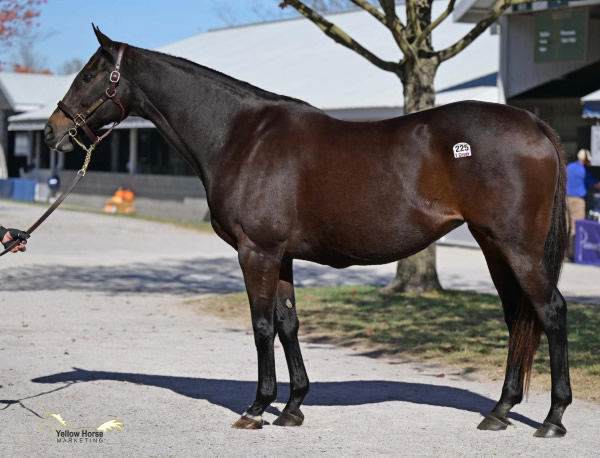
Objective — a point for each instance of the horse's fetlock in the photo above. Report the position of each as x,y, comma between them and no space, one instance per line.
301,390
267,396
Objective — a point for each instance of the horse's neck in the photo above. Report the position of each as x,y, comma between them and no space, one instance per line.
191,108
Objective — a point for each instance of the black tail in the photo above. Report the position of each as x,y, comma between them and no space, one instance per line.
556,241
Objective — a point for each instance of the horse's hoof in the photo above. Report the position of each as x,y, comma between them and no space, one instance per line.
248,422
550,430
493,423
289,419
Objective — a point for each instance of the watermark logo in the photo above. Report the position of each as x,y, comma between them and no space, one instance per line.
65,433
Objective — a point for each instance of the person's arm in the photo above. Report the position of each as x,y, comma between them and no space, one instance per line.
8,235
591,181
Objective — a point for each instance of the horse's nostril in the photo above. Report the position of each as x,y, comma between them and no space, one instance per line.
48,131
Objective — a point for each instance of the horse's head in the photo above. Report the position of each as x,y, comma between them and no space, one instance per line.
98,96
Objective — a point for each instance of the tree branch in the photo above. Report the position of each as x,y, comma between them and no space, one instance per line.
393,23
434,24
339,36
412,18
369,8
496,11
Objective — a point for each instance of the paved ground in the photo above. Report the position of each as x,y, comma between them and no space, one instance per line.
95,327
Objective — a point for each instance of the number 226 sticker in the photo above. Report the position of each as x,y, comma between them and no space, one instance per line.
461,149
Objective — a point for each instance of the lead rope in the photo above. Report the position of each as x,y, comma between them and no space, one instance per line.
80,174
88,152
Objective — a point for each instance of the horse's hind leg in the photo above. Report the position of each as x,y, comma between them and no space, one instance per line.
551,314
511,296
286,325
549,308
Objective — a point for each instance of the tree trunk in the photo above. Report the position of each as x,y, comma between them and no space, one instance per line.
417,273
417,83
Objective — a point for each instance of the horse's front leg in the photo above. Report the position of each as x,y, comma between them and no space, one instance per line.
261,275
286,325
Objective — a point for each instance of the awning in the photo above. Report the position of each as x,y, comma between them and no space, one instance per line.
591,105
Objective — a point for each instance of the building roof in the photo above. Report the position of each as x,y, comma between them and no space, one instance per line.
592,97
28,91
294,58
472,10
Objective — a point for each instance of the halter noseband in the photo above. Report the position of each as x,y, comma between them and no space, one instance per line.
80,119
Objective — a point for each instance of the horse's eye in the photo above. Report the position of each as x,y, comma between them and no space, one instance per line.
86,77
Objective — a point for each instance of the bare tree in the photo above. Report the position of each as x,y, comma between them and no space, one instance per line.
416,71
26,61
70,66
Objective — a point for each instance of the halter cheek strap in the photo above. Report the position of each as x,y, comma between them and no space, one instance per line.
80,119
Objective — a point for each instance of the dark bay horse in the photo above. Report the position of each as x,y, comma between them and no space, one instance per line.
285,181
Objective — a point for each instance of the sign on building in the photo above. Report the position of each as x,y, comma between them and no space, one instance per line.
22,144
595,145
561,35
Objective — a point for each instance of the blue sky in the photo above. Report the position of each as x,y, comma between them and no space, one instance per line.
65,30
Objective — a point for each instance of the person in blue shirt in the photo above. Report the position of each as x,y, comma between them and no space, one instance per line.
579,180
7,236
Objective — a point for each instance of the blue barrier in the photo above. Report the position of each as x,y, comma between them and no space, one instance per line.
18,189
587,242
6,189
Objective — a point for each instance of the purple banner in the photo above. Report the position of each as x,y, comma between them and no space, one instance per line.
587,242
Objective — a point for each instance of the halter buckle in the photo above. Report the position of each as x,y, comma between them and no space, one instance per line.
115,76
79,120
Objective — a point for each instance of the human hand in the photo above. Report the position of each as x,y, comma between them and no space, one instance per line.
8,236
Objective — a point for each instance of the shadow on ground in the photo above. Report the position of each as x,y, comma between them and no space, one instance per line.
235,395
193,276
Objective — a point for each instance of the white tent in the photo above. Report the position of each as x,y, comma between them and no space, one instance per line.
591,105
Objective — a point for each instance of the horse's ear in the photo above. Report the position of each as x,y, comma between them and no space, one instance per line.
105,42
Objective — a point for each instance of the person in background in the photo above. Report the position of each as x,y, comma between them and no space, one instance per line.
579,180
7,236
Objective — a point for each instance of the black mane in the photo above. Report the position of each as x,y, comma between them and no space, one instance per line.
220,78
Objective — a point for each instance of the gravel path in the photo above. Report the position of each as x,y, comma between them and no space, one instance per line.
95,327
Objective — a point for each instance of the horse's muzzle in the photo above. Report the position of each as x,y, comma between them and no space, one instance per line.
60,141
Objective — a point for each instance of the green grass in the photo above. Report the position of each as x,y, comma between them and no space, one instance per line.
458,329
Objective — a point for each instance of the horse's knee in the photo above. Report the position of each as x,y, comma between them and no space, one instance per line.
288,328
264,331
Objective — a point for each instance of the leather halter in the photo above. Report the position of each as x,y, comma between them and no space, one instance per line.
80,119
